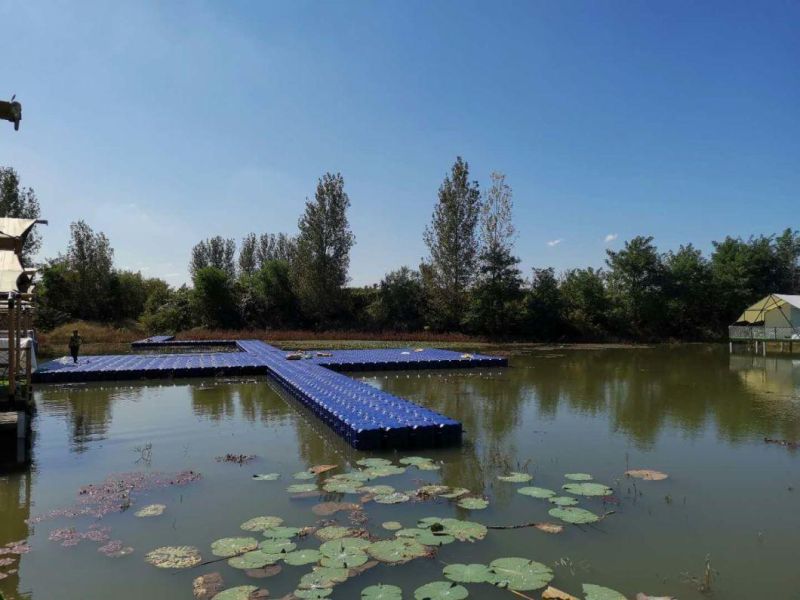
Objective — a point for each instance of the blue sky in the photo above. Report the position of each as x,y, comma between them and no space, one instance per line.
163,123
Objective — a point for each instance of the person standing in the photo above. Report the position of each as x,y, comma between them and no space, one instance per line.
75,345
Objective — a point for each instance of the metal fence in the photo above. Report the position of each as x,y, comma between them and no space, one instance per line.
742,332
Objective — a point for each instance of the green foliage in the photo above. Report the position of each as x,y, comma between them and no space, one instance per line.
453,244
322,256
266,297
544,306
400,302
213,299
586,304
20,203
216,252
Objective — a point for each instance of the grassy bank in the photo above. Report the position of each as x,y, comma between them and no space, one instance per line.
108,339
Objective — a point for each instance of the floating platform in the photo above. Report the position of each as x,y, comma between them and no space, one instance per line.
366,417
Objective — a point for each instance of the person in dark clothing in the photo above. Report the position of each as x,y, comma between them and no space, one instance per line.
75,345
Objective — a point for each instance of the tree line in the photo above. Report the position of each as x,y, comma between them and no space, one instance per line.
469,282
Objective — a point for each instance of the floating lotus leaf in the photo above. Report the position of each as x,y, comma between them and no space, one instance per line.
255,559
266,476
520,574
385,471
325,509
464,531
553,593
396,551
322,578
277,546
433,490
374,462
563,500
441,590
588,489
428,466
268,571
392,525
281,532
332,532
549,527
174,557
474,573
455,493
646,474
536,492
473,503
578,476
302,557
261,523
226,547
240,592
301,475
313,594
393,498
344,553
426,536
206,586
378,490
382,592
515,477
299,488
414,460
598,592
343,487
572,514
151,510
351,476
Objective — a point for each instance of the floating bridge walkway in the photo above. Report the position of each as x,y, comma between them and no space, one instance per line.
366,417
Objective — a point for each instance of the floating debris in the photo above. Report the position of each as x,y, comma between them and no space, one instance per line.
207,586
647,474
151,510
266,476
552,593
115,549
239,459
325,509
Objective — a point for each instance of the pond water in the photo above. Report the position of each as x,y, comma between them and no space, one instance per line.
693,412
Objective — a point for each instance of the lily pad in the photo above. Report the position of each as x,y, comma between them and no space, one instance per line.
325,509
455,493
549,527
226,547
261,523
473,573
382,592
588,489
598,592
299,488
520,574
267,571
536,492
393,498
301,475
433,490
344,553
515,477
427,536
174,557
464,531
646,474
563,500
441,590
473,503
282,532
322,577
277,546
414,460
578,476
255,559
378,490
151,510
206,586
266,476
374,462
428,466
343,487
386,471
307,556
392,525
572,514
396,551
313,594
240,592
332,532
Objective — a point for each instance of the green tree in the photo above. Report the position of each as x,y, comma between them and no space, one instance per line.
175,313
273,246
248,260
266,298
127,295
544,306
636,284
322,257
400,302
688,293
787,254
452,242
213,298
586,303
495,300
20,203
217,252
91,257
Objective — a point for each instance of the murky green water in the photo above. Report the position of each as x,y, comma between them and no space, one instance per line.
692,412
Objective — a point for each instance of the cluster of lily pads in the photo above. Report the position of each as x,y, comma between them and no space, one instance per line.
344,551
9,555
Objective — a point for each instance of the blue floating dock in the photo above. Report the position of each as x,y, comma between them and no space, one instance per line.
366,417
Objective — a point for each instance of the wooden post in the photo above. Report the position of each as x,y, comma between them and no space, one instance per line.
11,367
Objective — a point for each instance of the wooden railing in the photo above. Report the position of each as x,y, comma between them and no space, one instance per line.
744,332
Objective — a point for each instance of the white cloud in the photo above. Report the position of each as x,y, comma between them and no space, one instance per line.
552,243
611,237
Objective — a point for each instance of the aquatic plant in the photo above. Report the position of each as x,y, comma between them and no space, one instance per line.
261,523
392,525
174,557
207,586
441,590
325,509
151,510
231,546
578,476
396,551
393,498
344,553
520,574
302,557
115,549
588,489
572,514
254,559
472,573
598,592
515,477
646,474
382,591
536,492
473,503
